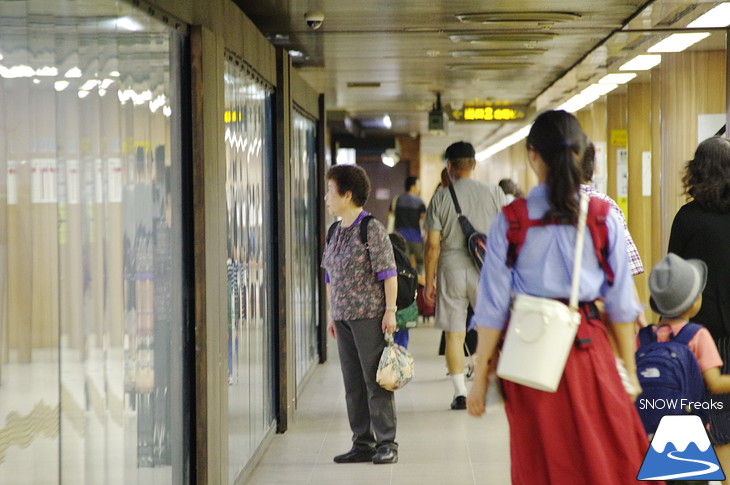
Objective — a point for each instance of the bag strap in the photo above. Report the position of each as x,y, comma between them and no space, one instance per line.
647,335
453,197
331,230
578,259
363,230
687,333
597,214
519,222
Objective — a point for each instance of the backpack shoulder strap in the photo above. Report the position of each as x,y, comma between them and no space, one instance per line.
687,333
364,230
331,230
518,223
647,335
596,222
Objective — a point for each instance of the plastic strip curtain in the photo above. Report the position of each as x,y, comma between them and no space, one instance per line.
305,261
250,265
91,316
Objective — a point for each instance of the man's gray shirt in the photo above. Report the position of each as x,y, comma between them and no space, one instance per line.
480,203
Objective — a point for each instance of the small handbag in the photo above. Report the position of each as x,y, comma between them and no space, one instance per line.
541,331
395,368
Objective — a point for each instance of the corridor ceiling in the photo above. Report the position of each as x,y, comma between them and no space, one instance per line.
376,57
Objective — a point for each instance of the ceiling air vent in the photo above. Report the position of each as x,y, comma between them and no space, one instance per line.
641,40
676,15
526,37
498,53
363,85
496,66
487,17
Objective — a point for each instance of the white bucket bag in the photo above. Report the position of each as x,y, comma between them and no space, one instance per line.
541,331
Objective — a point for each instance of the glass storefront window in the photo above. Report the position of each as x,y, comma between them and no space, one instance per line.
305,292
91,256
250,324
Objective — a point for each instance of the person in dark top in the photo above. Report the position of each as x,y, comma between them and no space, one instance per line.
409,211
701,230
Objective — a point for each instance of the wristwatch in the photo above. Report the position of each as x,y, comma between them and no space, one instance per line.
391,308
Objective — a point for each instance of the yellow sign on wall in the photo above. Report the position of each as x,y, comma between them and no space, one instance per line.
619,138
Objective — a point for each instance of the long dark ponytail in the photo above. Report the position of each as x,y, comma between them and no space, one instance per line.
559,140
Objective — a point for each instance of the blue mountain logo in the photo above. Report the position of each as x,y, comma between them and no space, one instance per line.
680,450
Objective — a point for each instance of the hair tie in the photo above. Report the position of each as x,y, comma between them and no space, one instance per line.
566,144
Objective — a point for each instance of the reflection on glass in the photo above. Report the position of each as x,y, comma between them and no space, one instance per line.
91,318
305,296
249,141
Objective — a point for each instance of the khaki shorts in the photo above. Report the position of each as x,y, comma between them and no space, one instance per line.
456,289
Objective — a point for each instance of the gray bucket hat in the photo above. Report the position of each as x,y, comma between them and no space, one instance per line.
675,284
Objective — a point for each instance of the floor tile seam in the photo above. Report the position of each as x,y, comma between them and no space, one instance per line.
333,414
471,462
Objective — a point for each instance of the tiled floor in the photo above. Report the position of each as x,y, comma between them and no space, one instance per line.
437,445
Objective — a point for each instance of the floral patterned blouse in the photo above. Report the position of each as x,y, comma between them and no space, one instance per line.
356,279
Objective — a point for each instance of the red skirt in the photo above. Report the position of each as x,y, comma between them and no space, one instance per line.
586,433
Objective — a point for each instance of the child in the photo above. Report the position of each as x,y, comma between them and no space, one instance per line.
676,287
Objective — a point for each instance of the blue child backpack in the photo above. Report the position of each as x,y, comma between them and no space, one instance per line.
669,375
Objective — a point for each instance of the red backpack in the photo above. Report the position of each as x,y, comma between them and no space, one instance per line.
519,222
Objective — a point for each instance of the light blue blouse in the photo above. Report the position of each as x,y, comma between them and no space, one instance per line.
545,266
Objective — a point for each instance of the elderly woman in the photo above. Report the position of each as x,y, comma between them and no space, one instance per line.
362,290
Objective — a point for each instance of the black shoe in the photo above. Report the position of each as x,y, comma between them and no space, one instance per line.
459,402
356,455
385,455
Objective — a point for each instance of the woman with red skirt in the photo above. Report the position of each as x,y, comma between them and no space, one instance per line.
588,431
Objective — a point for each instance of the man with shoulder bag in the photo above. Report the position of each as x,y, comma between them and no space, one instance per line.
452,275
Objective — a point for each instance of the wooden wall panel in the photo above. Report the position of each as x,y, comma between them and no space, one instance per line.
639,142
615,120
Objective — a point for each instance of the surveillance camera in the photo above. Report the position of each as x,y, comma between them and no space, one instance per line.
314,19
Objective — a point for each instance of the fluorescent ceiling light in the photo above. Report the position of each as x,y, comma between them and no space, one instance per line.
387,123
598,89
642,63
716,17
47,71
504,143
678,42
619,78
17,71
90,84
128,23
73,72
577,102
